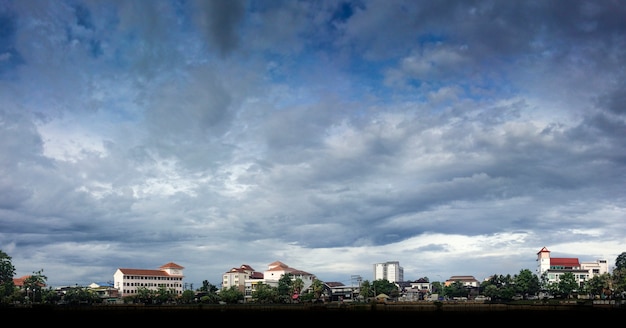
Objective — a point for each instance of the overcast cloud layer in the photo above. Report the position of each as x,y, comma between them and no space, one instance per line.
457,137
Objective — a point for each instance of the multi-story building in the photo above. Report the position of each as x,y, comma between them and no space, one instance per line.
392,271
237,277
272,275
169,276
553,267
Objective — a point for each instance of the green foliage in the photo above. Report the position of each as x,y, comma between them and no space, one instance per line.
526,283
231,295
285,288
33,285
620,261
317,287
7,271
619,282
366,290
208,287
383,286
296,287
455,289
598,285
265,293
567,284
188,296
499,287
80,295
437,287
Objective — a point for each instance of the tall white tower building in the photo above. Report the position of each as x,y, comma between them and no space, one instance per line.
392,271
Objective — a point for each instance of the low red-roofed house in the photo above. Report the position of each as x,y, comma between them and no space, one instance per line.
19,282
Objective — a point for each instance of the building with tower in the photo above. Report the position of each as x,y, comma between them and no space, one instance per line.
551,268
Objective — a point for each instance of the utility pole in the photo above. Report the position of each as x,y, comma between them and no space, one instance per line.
353,279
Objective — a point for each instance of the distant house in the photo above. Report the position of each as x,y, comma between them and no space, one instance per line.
338,291
467,281
554,267
19,282
169,276
105,291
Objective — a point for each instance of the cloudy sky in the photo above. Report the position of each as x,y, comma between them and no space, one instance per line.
457,137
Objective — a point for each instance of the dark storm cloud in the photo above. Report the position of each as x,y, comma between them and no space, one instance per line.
220,20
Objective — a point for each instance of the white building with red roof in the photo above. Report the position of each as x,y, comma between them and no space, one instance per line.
169,276
272,275
237,277
554,267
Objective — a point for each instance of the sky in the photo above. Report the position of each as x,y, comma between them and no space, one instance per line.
456,137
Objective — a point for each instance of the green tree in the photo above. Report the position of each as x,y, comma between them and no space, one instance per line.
366,290
80,295
50,296
7,271
598,285
619,282
207,287
264,293
285,284
317,288
526,283
210,298
231,295
145,295
491,291
383,286
188,296
567,284
165,295
437,287
499,287
33,285
297,286
619,276
620,261
455,289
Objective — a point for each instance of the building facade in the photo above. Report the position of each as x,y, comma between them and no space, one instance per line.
129,281
552,268
237,277
467,281
272,275
392,271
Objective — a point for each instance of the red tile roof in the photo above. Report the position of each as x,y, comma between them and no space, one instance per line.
247,267
544,249
19,281
256,275
564,261
171,265
276,264
144,272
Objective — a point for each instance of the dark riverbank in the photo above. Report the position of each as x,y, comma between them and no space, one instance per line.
467,312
